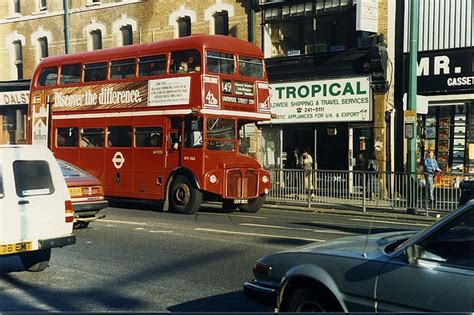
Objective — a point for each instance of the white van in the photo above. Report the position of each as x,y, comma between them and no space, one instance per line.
36,212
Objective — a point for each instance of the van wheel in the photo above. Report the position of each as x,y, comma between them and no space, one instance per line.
184,197
253,205
36,261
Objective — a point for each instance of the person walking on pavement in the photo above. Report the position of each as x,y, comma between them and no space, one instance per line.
372,177
306,162
431,168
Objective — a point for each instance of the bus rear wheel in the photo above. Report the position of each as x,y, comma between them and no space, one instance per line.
184,198
253,205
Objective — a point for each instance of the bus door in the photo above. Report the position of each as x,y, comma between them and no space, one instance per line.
118,160
173,144
148,159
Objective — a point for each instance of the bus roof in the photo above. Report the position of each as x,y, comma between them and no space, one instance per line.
217,42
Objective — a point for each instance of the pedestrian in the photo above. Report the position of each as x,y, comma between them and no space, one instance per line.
372,177
306,162
431,169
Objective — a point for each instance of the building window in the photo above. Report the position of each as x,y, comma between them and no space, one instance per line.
43,6
93,2
221,23
127,35
43,47
16,6
18,58
96,37
184,26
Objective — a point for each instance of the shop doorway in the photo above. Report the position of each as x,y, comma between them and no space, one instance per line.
361,145
298,137
332,146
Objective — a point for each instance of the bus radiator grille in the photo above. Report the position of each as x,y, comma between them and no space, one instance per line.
241,183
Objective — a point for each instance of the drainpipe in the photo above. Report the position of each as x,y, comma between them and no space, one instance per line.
66,27
251,4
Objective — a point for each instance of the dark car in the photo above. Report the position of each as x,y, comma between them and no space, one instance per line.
87,194
467,191
430,270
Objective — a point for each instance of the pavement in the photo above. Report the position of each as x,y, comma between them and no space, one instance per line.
357,211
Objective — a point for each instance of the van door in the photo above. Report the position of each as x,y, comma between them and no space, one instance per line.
30,200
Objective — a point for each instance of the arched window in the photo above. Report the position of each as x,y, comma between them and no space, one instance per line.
127,35
43,47
96,39
18,58
221,23
184,26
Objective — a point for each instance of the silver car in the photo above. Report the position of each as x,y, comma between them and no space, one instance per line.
431,270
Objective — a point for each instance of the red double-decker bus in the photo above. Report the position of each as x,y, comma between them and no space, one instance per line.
158,121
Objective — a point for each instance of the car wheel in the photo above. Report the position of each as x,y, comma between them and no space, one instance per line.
184,198
304,301
36,261
253,205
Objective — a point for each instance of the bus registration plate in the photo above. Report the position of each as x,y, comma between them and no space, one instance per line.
241,201
6,249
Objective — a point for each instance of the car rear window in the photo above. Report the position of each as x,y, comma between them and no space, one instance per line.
32,178
70,171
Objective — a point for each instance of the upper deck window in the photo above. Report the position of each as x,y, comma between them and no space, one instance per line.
48,76
185,61
122,69
152,65
250,67
70,74
218,62
95,72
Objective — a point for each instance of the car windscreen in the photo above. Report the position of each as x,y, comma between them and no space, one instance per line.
32,178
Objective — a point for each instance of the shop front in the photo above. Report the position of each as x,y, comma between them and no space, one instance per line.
330,118
446,126
14,97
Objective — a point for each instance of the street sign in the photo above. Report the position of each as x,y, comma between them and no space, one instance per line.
410,116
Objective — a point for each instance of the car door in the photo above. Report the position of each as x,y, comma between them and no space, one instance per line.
441,278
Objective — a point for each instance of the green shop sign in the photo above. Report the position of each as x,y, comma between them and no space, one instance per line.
348,99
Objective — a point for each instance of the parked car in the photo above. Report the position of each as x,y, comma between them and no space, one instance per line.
87,194
467,191
35,208
430,270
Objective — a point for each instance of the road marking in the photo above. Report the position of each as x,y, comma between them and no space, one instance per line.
232,215
259,235
390,222
131,223
294,229
160,231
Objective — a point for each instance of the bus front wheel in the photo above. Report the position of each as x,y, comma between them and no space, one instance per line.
253,205
184,197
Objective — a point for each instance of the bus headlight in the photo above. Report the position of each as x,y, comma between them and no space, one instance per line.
265,179
213,179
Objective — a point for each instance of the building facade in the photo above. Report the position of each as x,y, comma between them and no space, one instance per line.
445,76
330,71
34,29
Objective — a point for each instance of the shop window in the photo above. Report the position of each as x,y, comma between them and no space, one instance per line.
152,65
70,74
122,69
96,38
184,26
127,35
221,23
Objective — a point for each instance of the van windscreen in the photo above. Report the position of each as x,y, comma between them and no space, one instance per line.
32,178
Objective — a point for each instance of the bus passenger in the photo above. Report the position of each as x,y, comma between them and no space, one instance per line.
155,140
183,67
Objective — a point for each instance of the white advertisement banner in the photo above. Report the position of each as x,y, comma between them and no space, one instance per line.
173,91
336,100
